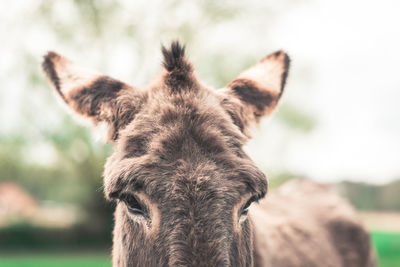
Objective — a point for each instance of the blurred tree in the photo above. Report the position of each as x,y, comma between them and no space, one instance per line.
372,197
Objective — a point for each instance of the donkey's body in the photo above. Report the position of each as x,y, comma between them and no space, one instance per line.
306,224
182,183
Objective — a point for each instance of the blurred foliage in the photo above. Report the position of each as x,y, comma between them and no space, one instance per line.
27,237
372,197
76,164
295,118
277,179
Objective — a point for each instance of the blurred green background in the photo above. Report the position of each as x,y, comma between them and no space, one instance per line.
52,210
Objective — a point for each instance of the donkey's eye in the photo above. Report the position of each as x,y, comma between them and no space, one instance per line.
133,205
246,207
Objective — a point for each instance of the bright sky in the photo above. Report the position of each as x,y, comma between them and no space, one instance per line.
353,48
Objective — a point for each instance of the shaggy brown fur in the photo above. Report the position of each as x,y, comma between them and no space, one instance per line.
183,184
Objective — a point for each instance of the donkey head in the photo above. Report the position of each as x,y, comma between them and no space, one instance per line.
179,176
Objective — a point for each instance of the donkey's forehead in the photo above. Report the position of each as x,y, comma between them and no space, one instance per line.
184,137
184,177
175,124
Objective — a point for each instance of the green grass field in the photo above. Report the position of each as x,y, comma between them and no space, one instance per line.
387,246
73,259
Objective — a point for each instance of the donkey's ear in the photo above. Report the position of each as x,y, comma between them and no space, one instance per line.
258,89
93,95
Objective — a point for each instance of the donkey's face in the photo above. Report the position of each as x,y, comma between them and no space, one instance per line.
182,183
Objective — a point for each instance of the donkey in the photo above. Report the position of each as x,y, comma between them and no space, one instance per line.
185,190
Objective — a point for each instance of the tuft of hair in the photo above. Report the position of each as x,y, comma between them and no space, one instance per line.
174,58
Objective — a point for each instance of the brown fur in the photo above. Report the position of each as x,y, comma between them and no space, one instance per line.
178,151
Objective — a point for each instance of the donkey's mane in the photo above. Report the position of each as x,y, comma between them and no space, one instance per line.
174,57
179,69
